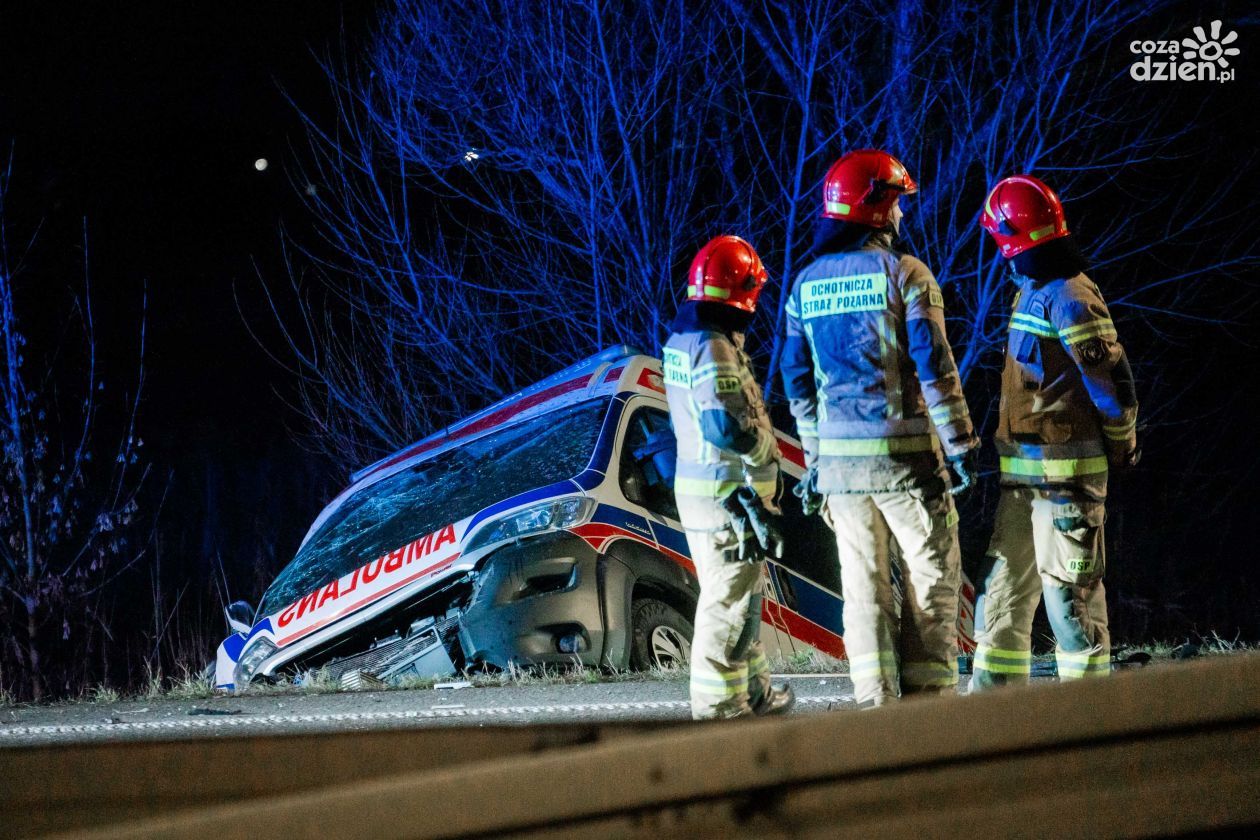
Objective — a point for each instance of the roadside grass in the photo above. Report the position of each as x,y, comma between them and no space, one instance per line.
188,684
103,694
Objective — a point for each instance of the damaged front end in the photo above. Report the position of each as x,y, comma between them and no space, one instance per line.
398,659
537,601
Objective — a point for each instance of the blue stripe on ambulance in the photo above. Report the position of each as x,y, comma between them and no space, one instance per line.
234,644
670,538
811,600
620,518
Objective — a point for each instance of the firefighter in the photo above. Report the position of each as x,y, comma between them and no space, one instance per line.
726,481
877,401
1068,411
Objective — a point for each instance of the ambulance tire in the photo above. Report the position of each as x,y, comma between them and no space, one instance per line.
661,636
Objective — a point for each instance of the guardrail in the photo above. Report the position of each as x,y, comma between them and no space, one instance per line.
1169,750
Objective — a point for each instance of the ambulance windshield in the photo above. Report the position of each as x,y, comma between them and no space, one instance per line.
439,491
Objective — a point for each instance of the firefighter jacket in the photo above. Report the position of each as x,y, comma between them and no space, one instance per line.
870,376
724,434
1068,400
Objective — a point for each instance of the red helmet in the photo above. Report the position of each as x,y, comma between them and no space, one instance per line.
862,187
1020,213
727,270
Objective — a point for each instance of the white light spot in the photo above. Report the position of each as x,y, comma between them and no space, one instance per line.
260,164
471,155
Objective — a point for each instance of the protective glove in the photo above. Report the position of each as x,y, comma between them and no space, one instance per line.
807,491
967,467
746,549
764,524
1126,460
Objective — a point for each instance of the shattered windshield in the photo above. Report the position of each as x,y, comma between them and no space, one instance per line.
441,490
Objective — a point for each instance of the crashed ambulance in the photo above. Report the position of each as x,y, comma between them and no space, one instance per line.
542,530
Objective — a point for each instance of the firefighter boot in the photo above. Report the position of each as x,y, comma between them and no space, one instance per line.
777,700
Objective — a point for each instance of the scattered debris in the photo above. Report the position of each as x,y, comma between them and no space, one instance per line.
1137,659
1187,651
358,680
450,686
196,710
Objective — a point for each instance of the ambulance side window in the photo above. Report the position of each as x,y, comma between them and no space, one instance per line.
648,455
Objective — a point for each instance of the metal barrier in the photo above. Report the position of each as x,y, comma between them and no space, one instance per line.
1166,751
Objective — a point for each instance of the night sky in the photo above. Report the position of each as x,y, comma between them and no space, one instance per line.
148,122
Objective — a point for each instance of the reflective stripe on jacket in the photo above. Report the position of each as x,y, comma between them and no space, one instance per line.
723,430
1068,399
869,373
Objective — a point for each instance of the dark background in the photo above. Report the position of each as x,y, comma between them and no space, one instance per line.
146,118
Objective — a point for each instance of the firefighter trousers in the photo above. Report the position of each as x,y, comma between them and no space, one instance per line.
916,651
729,671
1048,546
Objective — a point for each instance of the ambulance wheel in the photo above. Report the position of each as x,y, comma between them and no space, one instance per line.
661,636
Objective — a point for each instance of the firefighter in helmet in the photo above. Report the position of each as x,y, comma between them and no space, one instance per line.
1068,413
879,409
726,481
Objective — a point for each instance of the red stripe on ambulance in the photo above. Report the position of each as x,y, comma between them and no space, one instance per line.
374,580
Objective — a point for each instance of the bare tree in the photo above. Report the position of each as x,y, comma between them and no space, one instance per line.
512,185
68,501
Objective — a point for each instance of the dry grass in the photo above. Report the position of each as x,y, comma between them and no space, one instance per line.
103,694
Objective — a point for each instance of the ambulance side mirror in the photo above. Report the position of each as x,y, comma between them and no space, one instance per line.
239,614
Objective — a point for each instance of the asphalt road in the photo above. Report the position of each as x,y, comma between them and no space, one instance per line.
247,714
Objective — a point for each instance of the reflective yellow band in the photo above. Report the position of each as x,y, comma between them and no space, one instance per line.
807,428
717,684
1121,430
838,207
1088,326
709,291
1084,332
950,412
1029,324
874,670
711,371
1053,467
713,488
709,488
1040,233
872,664
876,446
1079,664
999,661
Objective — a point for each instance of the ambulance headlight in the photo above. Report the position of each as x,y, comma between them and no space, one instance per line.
254,655
554,515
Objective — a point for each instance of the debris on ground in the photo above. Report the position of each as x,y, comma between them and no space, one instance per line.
358,680
196,710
